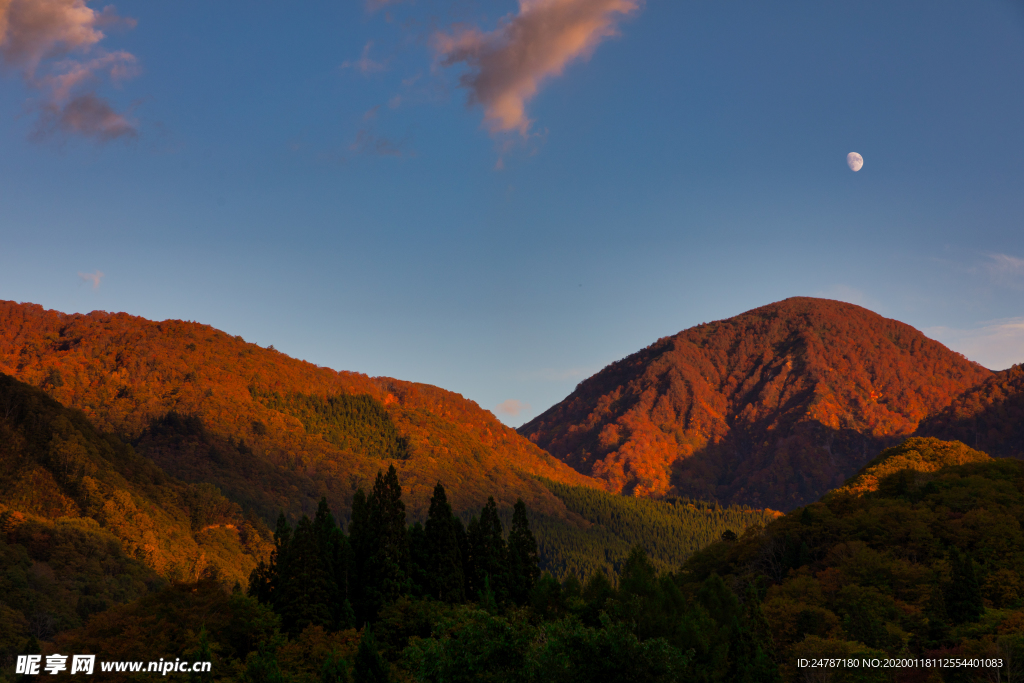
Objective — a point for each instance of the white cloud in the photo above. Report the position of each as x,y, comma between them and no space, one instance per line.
997,344
1005,269
512,407
92,278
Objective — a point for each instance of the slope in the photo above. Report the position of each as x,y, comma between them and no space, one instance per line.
271,431
770,408
989,417
927,565
86,523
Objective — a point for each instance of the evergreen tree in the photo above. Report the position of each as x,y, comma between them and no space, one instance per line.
370,667
445,558
336,558
262,667
335,669
387,564
362,539
306,586
963,597
202,654
265,581
420,576
488,553
938,620
523,561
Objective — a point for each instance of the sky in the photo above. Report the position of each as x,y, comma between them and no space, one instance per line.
501,198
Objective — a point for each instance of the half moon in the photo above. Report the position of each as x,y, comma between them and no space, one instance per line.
854,161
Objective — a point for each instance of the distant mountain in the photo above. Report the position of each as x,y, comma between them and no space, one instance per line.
272,432
771,408
989,417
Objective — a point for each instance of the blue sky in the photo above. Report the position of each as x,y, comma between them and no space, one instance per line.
352,183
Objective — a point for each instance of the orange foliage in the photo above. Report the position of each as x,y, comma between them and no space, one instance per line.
771,408
124,372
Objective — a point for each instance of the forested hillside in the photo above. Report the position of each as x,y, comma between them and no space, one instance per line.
989,417
925,563
771,408
86,523
270,431
927,566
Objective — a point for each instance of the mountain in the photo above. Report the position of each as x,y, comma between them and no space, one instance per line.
771,408
272,432
86,522
989,416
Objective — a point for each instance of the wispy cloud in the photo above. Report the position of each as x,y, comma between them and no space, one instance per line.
997,344
37,36
92,278
365,65
512,407
1005,269
507,66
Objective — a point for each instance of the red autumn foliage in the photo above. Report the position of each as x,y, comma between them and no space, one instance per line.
771,408
126,373
989,417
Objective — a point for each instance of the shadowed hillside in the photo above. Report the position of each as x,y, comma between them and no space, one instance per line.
271,431
989,417
771,408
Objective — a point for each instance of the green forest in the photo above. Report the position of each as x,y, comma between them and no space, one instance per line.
925,565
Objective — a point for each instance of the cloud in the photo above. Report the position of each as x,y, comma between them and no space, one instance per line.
1005,269
508,65
40,35
997,344
92,278
364,64
368,142
86,115
512,407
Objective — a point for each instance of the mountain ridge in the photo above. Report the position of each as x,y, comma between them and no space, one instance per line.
769,408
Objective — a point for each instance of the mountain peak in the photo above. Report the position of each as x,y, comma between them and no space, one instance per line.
770,408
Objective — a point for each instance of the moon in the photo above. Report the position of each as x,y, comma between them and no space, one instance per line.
854,161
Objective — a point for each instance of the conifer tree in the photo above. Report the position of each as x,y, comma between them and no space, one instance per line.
488,553
306,586
265,579
523,561
370,667
387,564
335,669
361,538
336,557
202,653
445,558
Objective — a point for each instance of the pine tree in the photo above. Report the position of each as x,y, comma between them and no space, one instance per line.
336,557
361,538
265,580
445,559
306,592
488,553
370,667
523,560
387,564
